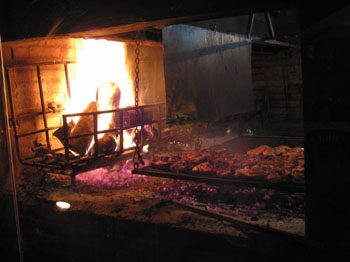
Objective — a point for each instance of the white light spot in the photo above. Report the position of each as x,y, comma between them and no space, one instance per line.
62,206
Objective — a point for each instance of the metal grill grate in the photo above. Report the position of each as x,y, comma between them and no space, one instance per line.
61,160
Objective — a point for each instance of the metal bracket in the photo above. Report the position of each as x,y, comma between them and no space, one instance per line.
268,23
250,25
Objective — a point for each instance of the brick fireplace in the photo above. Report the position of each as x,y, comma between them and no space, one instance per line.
41,74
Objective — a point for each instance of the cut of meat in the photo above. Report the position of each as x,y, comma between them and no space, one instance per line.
296,152
258,150
277,164
160,164
180,166
254,172
276,151
223,173
203,168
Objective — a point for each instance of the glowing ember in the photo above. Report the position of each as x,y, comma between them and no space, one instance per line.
106,178
116,177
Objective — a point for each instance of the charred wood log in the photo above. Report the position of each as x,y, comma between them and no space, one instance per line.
84,125
59,133
106,145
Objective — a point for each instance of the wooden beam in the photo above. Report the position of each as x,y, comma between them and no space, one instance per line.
154,24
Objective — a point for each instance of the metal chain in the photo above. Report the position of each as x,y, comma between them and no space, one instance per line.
138,134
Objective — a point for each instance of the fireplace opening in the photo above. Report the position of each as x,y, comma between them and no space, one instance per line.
67,113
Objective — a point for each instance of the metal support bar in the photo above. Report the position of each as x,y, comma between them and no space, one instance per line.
42,100
159,122
11,160
150,171
250,25
95,135
37,131
269,25
21,64
66,142
12,114
121,132
67,80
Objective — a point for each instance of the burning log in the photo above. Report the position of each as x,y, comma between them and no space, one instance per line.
106,145
107,97
84,125
59,133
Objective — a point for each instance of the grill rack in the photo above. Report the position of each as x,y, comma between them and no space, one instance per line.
288,187
61,160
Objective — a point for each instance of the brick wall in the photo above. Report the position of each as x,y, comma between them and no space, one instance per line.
277,84
25,86
40,50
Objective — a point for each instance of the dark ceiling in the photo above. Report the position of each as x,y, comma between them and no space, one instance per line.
37,18
33,18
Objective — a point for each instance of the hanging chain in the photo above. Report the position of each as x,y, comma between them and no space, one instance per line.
138,133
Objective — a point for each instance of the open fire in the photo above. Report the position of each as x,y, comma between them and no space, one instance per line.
100,82
81,105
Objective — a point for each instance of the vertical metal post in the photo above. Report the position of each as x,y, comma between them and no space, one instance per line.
67,80
250,25
95,135
269,24
42,100
142,124
11,161
159,123
12,114
66,141
121,135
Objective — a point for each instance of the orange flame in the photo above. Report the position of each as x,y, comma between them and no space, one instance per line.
99,72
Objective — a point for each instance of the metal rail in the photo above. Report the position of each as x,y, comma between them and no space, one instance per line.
289,187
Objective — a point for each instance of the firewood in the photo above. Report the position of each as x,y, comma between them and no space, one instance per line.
84,125
106,145
59,133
